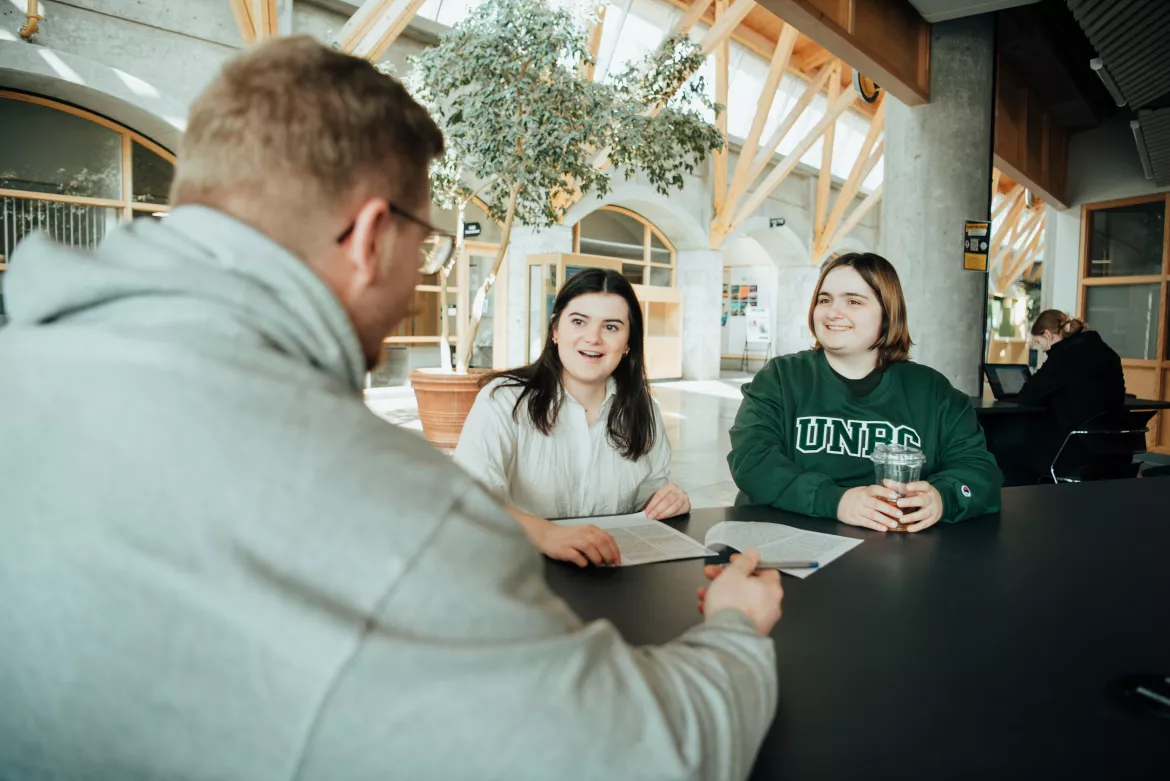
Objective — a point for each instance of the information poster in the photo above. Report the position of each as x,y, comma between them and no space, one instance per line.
757,325
738,298
976,241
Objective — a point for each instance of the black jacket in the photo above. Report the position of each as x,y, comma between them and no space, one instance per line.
1081,378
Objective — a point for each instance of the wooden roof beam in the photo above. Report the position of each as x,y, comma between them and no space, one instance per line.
242,12
863,208
1007,276
825,174
722,62
867,157
376,25
781,172
595,30
694,12
811,90
747,154
725,23
887,40
261,19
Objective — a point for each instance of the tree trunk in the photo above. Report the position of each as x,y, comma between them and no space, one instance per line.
463,359
444,325
444,275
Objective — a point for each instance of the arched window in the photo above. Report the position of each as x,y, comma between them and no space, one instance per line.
73,174
613,232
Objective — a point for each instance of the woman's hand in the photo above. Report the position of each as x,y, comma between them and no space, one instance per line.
863,506
923,505
581,545
667,502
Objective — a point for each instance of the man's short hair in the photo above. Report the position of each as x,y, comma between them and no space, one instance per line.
291,119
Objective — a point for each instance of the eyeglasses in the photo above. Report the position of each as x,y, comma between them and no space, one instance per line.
437,250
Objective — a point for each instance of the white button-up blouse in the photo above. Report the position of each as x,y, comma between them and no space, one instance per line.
571,473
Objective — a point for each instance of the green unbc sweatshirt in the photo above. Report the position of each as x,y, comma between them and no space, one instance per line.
801,438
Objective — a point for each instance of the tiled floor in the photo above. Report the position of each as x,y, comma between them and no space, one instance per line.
697,414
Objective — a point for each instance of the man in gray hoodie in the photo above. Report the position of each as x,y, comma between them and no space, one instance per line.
215,563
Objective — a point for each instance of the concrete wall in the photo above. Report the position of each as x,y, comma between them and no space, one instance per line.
1103,165
176,46
937,166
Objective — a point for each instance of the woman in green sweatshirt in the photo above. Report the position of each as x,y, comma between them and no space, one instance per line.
809,421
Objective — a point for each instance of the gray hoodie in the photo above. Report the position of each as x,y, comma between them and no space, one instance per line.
215,563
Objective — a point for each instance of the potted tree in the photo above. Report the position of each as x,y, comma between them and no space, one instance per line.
528,133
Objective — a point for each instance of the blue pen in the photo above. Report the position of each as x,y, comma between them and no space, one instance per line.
788,565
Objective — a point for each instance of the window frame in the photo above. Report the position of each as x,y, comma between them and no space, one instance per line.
1159,366
648,230
126,202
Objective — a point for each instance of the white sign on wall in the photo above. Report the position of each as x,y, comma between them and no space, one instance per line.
757,325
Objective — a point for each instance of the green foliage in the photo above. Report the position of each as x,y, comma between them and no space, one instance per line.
505,87
1032,289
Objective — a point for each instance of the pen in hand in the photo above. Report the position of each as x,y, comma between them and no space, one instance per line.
788,565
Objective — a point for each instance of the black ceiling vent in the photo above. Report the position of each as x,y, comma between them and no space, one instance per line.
1132,38
1154,131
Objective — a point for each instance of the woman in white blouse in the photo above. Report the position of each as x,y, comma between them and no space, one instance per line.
576,433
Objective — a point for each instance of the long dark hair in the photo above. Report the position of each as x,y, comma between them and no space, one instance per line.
631,417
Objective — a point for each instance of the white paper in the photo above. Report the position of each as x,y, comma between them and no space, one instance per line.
643,541
781,543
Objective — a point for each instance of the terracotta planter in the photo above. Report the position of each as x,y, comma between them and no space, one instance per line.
444,399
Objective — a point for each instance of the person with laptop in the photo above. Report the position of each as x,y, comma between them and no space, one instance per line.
216,562
810,421
1007,379
1080,378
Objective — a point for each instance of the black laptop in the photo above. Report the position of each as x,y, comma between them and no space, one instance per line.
1006,379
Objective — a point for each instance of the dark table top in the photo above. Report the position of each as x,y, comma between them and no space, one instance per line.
969,651
985,406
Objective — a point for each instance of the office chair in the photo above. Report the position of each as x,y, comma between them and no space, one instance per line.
1102,448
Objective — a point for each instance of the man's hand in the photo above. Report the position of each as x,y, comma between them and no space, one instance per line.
582,545
923,504
668,501
738,586
863,506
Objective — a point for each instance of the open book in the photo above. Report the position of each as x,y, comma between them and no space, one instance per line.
641,540
777,542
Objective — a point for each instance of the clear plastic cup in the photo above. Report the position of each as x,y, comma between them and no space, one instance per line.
895,466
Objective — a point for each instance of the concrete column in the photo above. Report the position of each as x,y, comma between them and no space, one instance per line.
699,275
794,290
525,242
938,174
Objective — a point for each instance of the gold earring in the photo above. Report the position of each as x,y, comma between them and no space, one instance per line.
555,340
627,352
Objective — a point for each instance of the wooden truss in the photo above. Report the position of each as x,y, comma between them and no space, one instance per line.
368,33
376,25
733,213
1017,241
260,19
828,232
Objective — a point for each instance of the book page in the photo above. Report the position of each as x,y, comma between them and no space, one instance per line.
781,543
643,541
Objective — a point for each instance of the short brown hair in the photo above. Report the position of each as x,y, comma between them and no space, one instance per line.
894,343
1057,322
293,119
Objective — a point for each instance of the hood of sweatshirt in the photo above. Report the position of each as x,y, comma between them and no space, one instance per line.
196,267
